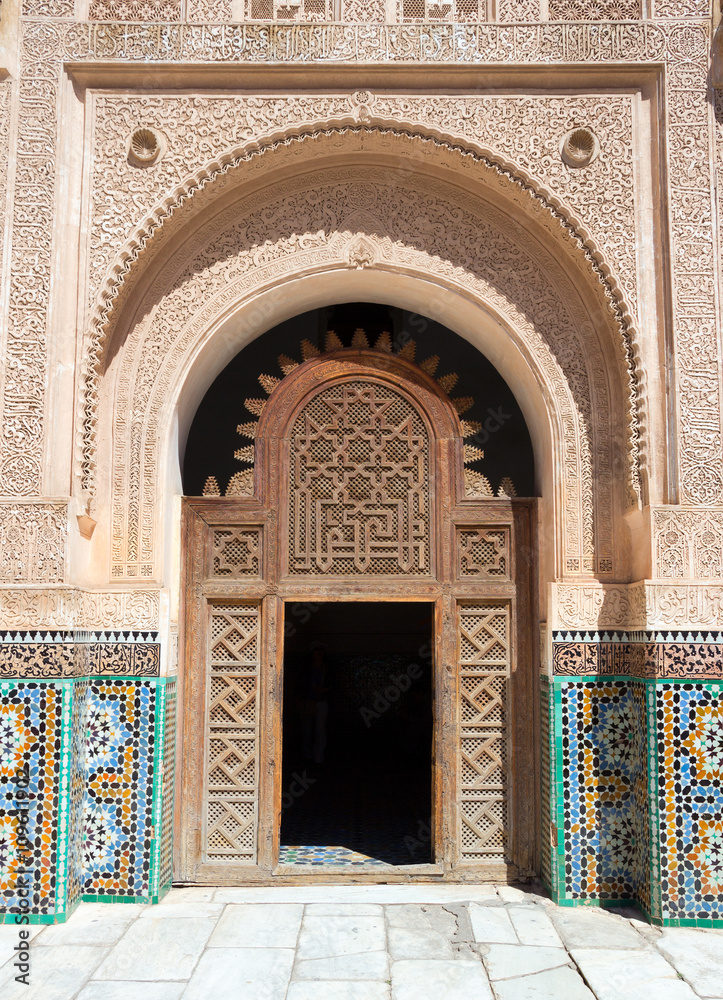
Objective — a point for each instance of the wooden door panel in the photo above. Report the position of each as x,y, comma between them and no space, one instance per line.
358,499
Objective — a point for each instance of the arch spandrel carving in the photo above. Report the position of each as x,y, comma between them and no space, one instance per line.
484,252
503,182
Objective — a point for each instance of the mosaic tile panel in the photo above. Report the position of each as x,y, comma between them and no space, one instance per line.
32,770
169,776
119,758
639,813
690,755
340,857
76,791
603,742
545,817
650,892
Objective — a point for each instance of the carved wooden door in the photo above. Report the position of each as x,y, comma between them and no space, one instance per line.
358,491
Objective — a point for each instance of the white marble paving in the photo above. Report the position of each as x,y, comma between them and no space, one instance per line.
339,991
698,957
355,942
506,961
585,927
370,965
241,974
325,937
385,894
158,949
9,937
461,980
534,927
557,984
258,925
129,990
618,974
55,973
92,923
492,925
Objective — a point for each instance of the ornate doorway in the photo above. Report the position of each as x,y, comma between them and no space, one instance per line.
355,489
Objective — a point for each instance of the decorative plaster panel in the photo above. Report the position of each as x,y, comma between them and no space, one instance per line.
636,606
262,242
594,10
137,10
688,544
681,8
684,47
32,542
65,608
5,208
526,131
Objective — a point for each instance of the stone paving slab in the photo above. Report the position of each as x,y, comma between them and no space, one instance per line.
507,961
258,925
356,942
557,984
618,974
128,990
464,980
698,957
158,949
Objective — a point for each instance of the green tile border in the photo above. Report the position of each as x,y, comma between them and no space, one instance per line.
157,792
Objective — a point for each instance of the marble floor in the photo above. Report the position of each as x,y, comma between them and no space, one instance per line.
352,942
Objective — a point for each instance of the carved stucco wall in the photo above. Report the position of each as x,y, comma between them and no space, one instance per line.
5,119
682,48
409,222
526,131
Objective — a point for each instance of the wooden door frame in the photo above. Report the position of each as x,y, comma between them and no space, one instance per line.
298,871
200,516
268,584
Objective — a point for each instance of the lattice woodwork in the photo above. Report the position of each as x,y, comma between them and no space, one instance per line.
484,669
232,733
301,10
236,552
484,552
359,497
459,11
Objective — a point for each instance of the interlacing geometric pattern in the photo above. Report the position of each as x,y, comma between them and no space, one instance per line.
476,484
458,11
484,667
594,10
134,10
484,552
290,10
232,733
690,789
118,809
359,484
236,552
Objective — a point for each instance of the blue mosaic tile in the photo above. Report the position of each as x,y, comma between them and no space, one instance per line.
118,813
690,803
603,741
31,776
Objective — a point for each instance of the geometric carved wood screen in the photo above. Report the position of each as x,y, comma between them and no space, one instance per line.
232,733
484,670
359,490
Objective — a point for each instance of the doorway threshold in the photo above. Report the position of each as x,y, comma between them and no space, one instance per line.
381,870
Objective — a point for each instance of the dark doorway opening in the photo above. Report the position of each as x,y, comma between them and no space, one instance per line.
357,734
